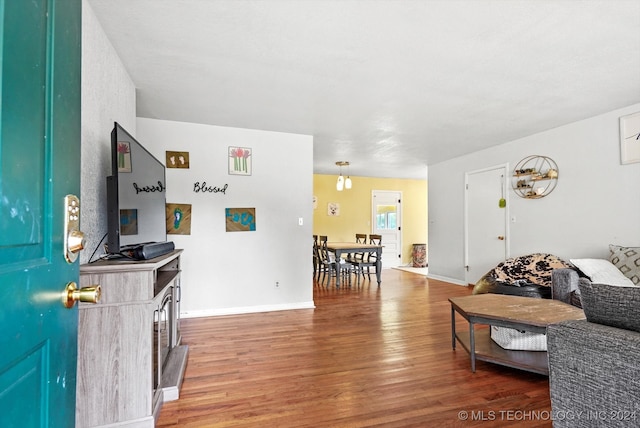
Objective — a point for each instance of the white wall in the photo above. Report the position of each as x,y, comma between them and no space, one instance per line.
222,272
596,201
235,272
108,95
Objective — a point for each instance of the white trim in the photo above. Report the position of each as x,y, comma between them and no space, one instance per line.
447,279
400,196
147,421
247,310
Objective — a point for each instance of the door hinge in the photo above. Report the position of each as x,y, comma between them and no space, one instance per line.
466,268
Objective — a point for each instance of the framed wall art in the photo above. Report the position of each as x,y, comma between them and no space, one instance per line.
333,209
129,222
178,219
630,138
177,159
240,219
240,159
124,156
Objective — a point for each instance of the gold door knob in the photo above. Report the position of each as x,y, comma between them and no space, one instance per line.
72,294
501,238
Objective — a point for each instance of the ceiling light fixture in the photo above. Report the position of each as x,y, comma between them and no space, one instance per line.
342,183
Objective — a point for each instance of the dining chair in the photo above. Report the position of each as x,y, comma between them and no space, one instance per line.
328,267
325,262
367,259
316,255
361,238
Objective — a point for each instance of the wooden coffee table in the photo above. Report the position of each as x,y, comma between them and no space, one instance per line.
522,313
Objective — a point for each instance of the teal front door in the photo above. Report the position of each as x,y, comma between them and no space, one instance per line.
39,166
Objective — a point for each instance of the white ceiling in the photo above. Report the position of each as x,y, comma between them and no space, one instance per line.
389,85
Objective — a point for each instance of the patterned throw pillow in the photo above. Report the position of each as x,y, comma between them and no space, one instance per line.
627,259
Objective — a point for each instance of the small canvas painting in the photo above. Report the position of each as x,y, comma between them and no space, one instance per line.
178,219
129,222
333,209
240,159
240,219
177,159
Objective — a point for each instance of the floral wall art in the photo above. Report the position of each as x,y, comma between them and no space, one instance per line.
240,161
124,156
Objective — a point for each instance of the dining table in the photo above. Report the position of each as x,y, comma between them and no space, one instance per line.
339,248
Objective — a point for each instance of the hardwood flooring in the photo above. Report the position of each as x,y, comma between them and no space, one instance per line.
365,357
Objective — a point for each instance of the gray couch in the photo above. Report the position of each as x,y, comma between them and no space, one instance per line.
564,286
594,369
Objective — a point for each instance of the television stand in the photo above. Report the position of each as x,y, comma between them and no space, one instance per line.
131,358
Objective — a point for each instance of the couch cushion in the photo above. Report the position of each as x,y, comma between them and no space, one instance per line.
627,260
602,271
611,305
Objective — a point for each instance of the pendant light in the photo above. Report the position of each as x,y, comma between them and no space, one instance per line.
342,184
347,181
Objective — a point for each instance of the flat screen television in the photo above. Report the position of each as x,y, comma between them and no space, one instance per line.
135,200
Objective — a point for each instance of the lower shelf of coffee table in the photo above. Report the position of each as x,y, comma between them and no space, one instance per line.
489,351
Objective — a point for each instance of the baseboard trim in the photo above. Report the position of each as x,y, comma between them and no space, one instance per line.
247,310
447,279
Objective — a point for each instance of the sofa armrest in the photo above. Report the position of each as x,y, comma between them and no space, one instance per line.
593,375
563,282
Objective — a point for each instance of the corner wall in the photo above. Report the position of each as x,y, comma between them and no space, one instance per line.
108,95
222,272
596,201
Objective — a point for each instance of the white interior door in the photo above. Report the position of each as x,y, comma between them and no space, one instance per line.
386,220
486,226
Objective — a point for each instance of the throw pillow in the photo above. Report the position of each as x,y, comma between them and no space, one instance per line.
602,272
611,305
627,259
484,284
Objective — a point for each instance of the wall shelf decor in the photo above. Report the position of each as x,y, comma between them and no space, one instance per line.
535,177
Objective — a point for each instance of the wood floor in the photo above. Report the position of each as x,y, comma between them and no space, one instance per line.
365,357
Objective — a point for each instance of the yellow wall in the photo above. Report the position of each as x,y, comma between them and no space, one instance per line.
355,209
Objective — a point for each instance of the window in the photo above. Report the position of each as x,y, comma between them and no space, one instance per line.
386,217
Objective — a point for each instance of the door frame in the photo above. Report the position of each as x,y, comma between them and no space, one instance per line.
398,261
505,191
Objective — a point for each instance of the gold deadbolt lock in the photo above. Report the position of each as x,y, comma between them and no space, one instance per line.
72,294
73,238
